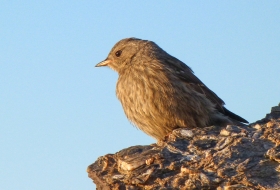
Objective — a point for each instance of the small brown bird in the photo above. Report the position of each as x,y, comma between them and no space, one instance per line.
159,93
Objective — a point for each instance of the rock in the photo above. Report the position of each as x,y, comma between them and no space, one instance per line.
235,157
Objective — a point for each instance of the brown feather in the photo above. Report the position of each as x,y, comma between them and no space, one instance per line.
159,93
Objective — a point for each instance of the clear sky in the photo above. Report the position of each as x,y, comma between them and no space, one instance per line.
58,113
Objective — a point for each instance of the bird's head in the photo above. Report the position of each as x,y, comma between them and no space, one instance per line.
122,54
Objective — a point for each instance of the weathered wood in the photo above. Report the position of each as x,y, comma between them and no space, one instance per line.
235,157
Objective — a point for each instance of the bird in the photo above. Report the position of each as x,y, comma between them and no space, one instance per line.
160,93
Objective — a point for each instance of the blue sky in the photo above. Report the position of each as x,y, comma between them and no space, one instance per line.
58,113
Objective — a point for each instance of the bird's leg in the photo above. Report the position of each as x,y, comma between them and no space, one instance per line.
167,138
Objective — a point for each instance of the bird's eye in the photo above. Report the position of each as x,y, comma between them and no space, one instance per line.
118,53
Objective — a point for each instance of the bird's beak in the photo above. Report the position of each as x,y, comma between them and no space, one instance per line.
103,63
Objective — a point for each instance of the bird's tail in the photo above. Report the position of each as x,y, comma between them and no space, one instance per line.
234,116
226,118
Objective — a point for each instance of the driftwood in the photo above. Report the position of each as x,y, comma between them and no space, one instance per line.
233,157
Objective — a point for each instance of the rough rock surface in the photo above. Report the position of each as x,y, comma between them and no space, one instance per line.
235,157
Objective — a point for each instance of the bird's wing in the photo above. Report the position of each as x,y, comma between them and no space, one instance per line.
186,75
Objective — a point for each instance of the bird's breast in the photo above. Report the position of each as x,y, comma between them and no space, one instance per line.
146,92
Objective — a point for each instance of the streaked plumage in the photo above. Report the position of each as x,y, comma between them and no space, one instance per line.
160,93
